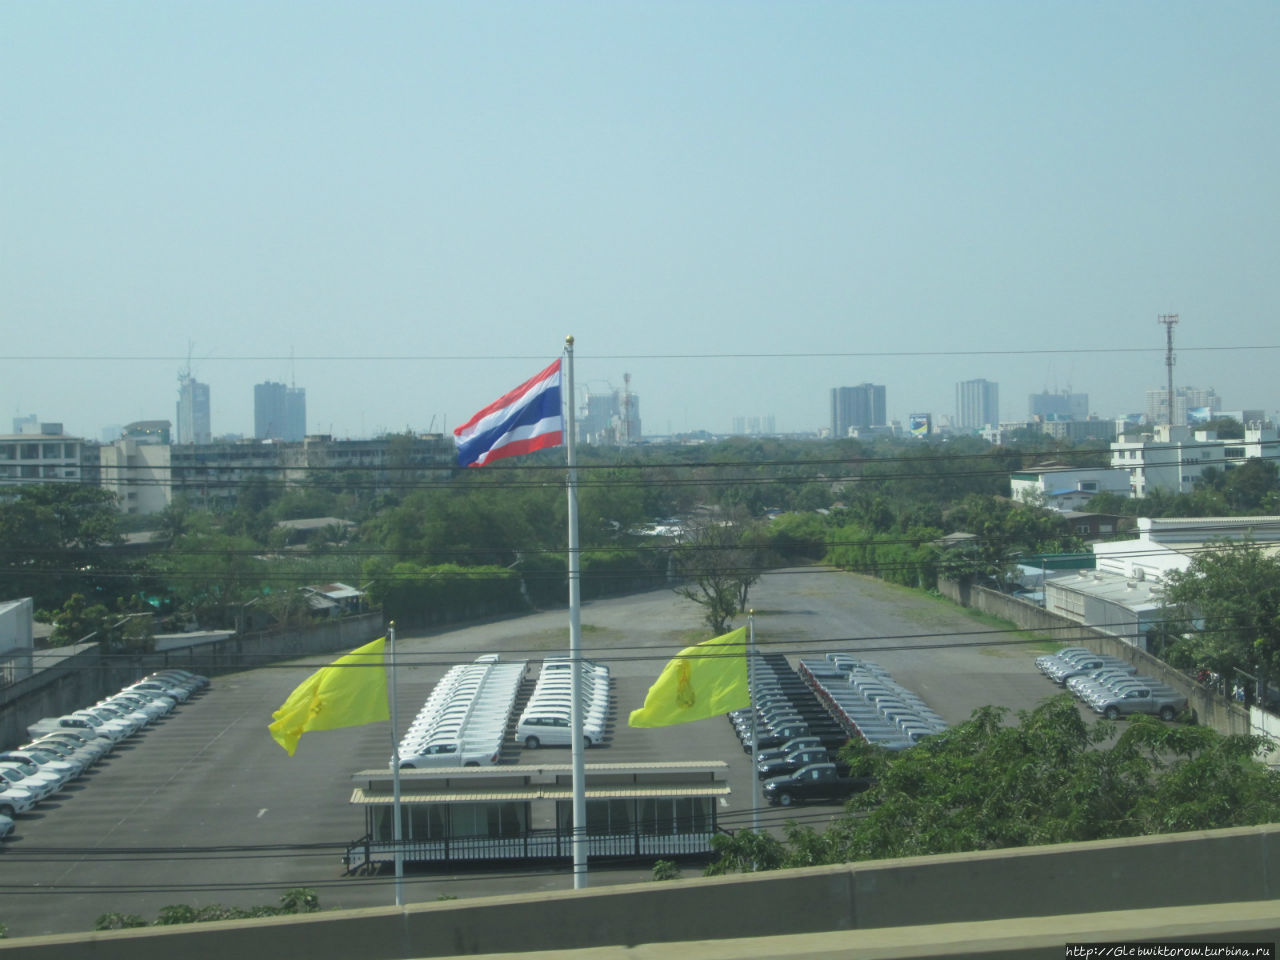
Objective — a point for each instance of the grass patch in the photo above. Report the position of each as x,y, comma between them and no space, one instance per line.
1013,642
558,638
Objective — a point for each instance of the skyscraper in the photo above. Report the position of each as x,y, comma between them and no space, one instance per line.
611,418
857,407
279,412
977,404
193,410
1190,405
1059,406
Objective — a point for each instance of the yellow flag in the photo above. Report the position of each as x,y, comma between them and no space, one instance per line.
702,681
349,692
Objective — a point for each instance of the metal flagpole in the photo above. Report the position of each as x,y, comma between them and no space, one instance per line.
575,644
395,774
755,730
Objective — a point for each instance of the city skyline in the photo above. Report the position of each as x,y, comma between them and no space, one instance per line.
739,424
742,206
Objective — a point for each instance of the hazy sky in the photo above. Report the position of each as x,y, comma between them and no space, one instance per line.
740,204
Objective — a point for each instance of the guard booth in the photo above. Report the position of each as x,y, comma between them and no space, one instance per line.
525,812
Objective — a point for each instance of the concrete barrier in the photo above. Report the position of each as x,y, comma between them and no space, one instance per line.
1208,706
69,678
1235,866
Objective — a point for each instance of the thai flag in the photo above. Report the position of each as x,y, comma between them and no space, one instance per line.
526,419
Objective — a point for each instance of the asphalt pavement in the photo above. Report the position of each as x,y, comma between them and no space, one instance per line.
204,807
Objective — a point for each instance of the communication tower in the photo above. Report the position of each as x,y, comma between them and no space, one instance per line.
1169,320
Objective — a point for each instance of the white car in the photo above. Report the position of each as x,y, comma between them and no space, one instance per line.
199,679
42,760
110,718
33,771
153,709
156,686
64,750
125,711
6,825
552,730
93,747
15,800
40,785
169,680
90,724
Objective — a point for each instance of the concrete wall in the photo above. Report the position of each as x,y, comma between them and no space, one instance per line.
1210,708
69,678
1212,867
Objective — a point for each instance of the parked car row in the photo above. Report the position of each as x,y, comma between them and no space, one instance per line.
465,717
868,702
1078,661
784,709
63,748
1111,686
545,719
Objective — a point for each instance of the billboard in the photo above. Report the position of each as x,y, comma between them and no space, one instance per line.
920,424
1199,415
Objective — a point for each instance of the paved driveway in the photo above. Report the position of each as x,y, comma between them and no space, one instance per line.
206,808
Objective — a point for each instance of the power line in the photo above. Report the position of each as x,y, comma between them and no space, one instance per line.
1012,636
793,355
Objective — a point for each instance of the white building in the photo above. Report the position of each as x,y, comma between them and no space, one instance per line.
16,617
1123,595
1066,488
977,404
1173,458
1058,406
1170,543
610,419
1190,404
37,458
194,422
138,473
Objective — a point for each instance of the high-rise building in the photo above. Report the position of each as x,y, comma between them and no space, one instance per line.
610,419
857,407
977,404
1190,405
279,412
193,425
754,426
1058,406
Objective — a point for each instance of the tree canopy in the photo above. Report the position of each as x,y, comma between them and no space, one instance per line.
1223,612
1049,778
53,542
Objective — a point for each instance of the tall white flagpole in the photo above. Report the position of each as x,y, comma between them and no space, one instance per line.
395,774
575,642
755,727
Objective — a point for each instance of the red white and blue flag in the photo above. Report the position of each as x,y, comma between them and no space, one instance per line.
527,418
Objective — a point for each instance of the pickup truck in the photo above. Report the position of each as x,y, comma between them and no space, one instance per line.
817,781
1166,703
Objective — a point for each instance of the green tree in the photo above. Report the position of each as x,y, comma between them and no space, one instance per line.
1252,486
211,575
57,539
1050,778
77,620
719,563
1224,610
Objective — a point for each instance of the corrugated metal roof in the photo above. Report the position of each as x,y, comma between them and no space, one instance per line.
533,769
547,792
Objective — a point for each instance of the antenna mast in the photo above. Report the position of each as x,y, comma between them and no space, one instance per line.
626,410
1169,320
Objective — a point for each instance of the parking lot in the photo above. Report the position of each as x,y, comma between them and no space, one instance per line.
204,807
